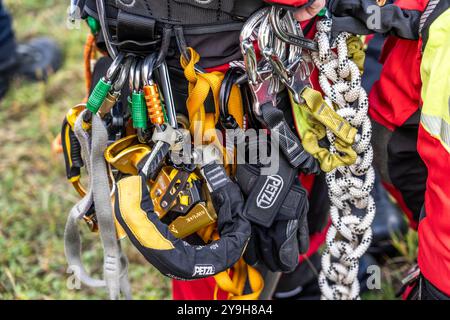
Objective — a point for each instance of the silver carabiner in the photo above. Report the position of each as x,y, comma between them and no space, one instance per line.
247,47
164,80
273,50
296,75
250,60
293,27
114,68
147,69
263,91
134,78
122,77
137,77
252,22
288,37
265,36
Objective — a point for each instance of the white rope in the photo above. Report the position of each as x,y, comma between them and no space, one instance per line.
349,236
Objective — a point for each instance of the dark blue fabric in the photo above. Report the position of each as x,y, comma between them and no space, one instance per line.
7,41
372,66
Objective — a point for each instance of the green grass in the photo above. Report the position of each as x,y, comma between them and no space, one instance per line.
35,198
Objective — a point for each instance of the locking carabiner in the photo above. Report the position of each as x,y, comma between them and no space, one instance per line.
273,50
103,87
138,106
226,119
151,92
114,94
295,76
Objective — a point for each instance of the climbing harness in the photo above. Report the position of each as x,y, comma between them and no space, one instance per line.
208,215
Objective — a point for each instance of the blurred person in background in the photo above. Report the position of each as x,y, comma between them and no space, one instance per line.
34,60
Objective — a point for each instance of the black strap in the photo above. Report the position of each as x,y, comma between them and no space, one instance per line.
72,151
215,176
289,143
182,12
429,292
134,31
244,9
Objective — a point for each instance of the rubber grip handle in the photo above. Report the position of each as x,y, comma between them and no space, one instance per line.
156,163
75,150
71,150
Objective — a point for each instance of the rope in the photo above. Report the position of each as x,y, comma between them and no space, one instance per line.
89,55
350,235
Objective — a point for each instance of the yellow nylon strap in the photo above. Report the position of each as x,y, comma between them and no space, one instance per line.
356,53
314,117
328,161
326,115
235,285
200,85
301,118
235,107
241,271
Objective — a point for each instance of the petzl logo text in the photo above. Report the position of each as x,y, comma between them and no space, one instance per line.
204,270
269,193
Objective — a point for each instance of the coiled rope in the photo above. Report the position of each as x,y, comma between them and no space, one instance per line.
350,235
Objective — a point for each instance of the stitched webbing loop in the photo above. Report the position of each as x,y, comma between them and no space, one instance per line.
320,117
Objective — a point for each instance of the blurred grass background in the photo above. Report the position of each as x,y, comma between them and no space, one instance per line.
35,198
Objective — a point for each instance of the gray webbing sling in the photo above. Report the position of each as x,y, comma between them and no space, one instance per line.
115,267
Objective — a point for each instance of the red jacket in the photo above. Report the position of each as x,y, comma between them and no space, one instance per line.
397,96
